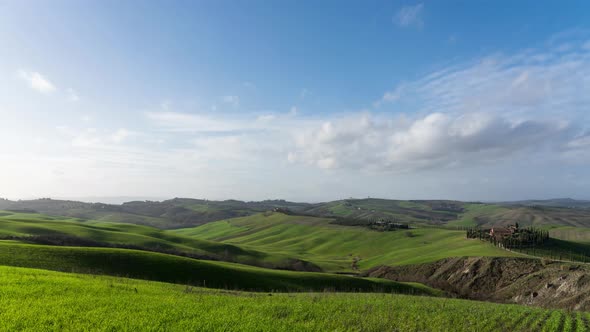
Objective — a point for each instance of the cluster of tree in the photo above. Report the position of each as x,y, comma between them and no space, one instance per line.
385,225
512,237
376,224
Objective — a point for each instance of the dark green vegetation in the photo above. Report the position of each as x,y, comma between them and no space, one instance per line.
187,271
51,301
512,237
560,250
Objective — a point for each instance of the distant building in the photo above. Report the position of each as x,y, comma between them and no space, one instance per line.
503,232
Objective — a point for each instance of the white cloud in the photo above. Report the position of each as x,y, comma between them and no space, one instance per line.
179,122
266,117
436,140
37,81
293,111
72,95
232,100
120,135
531,103
409,16
390,96
548,82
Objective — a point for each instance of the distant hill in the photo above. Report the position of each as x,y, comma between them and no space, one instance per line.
173,213
556,202
188,212
413,212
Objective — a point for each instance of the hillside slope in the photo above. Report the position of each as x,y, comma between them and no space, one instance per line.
510,280
187,271
490,215
340,248
172,213
57,230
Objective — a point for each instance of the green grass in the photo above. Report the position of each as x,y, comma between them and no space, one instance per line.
169,268
23,224
574,234
333,247
490,215
473,211
39,300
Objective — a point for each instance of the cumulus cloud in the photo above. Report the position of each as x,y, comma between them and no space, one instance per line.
409,16
496,107
37,81
435,140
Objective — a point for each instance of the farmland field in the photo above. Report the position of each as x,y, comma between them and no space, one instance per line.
51,301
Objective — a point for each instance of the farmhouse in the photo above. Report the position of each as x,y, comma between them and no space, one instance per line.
501,232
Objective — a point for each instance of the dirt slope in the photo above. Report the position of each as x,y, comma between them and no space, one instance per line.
536,282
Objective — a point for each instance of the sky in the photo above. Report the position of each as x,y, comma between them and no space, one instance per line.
299,100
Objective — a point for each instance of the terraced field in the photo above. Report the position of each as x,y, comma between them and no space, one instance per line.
340,248
50,301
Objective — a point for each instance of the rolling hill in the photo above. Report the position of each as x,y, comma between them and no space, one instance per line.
340,248
188,212
187,271
63,231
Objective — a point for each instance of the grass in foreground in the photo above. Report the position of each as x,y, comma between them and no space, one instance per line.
50,301
181,270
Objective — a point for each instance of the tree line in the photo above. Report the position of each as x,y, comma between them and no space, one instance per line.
510,238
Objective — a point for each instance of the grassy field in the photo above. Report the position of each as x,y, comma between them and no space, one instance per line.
411,212
574,234
335,247
490,215
473,213
27,224
50,301
181,270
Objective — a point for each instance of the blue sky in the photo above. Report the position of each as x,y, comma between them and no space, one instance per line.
472,100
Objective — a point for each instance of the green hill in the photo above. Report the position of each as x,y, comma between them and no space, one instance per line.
50,301
187,271
336,247
490,215
141,237
172,213
412,212
188,212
